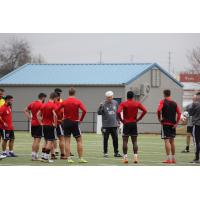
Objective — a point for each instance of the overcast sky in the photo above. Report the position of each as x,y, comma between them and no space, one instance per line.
118,48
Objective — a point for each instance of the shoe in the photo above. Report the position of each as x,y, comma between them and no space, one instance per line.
71,154
47,160
36,159
117,155
195,161
57,153
167,161
12,154
135,160
53,157
82,160
173,161
63,157
69,160
185,151
105,155
2,156
125,161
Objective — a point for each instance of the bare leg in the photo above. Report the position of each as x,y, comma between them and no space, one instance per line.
79,146
67,146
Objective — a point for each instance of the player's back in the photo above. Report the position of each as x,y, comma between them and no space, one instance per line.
47,113
6,114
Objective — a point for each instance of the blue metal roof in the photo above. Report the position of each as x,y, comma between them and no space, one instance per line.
77,74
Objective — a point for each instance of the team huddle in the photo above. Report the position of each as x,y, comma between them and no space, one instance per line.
56,120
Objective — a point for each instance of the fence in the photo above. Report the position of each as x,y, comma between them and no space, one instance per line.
148,124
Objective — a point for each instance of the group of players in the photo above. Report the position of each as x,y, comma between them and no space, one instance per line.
57,118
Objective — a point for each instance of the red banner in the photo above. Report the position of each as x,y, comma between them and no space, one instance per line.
186,77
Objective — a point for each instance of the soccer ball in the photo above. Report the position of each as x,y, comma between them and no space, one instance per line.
184,116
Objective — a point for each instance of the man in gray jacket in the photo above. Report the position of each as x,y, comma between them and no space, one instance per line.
110,123
194,111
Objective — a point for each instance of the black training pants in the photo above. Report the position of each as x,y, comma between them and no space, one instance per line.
196,137
106,132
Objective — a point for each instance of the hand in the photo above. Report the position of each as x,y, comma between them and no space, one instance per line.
175,125
5,124
54,124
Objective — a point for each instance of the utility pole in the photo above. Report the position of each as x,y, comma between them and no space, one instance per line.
169,61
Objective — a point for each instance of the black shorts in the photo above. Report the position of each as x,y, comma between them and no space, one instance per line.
130,129
71,127
168,132
49,133
8,135
59,131
1,132
189,129
36,131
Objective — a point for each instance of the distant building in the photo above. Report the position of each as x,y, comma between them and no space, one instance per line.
91,81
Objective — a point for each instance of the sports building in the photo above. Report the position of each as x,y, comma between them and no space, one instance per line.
91,81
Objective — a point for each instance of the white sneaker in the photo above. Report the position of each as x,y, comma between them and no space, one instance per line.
2,156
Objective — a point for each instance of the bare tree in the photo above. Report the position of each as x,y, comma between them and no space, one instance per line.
16,53
194,59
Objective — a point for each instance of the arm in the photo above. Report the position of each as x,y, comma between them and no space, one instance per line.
144,111
54,118
160,107
27,113
191,110
1,120
39,117
178,111
100,109
119,110
84,111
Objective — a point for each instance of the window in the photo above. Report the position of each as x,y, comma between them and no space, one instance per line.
155,78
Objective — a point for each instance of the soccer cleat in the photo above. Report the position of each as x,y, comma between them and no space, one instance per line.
69,160
57,153
125,161
105,155
117,155
185,151
47,160
195,161
63,157
53,157
82,160
135,160
2,156
167,161
173,161
12,154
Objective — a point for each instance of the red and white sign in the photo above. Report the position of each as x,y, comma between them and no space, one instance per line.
187,77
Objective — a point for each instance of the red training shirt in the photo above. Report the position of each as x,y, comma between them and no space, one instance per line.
71,109
34,107
60,113
47,113
6,115
130,111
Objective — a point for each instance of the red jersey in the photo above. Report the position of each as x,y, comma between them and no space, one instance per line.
71,109
47,113
169,109
6,115
34,107
130,111
60,113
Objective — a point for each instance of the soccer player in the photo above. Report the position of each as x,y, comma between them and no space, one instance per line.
169,114
48,119
130,118
189,127
110,123
36,129
7,124
194,111
2,101
71,124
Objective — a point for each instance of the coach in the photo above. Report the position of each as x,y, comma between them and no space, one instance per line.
110,122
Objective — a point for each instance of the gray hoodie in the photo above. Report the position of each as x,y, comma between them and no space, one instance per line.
194,111
108,110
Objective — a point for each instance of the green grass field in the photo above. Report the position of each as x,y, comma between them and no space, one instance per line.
151,152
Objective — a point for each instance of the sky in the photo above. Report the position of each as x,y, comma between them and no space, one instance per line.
114,48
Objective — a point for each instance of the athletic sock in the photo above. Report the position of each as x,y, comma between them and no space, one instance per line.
168,157
135,156
33,155
173,157
47,154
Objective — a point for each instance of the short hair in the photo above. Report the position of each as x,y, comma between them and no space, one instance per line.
198,93
53,95
167,93
8,97
130,94
58,90
72,91
2,90
42,95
